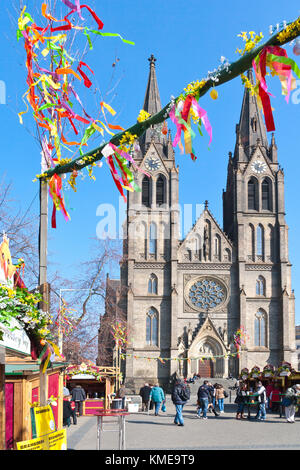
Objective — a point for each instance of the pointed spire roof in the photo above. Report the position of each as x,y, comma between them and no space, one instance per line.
152,105
251,128
152,102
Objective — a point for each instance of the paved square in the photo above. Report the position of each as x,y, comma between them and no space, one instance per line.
151,432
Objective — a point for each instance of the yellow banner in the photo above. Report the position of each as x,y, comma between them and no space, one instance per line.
54,441
43,421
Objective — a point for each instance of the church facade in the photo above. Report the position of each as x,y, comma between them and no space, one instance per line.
186,298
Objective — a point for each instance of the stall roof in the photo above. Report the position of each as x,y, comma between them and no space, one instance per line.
27,368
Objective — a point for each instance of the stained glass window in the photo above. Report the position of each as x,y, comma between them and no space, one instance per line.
207,294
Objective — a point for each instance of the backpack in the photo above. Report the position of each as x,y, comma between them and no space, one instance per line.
185,393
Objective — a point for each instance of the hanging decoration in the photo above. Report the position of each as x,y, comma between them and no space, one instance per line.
51,71
119,333
183,111
239,339
164,360
280,64
65,319
296,48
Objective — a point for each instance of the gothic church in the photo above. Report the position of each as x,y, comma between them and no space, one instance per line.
185,299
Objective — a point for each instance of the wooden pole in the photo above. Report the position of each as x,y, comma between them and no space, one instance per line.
43,245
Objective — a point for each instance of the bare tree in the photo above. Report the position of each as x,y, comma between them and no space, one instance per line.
87,302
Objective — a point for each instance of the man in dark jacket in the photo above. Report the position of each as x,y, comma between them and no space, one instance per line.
179,400
78,396
145,394
203,399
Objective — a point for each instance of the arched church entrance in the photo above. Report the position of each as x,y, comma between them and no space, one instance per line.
207,357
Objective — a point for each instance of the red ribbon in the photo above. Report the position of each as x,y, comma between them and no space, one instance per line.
87,81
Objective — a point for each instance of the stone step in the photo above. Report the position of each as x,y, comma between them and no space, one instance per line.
226,383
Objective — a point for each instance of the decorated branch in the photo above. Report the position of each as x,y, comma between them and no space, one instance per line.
50,95
226,72
52,74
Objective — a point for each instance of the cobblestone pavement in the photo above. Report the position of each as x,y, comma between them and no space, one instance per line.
149,432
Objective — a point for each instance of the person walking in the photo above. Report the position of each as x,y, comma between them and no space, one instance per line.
290,401
240,400
180,395
78,396
157,396
203,396
68,411
145,394
220,395
262,400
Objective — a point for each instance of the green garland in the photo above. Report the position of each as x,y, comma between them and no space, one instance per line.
233,70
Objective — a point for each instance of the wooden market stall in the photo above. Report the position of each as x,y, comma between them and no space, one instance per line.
22,390
99,383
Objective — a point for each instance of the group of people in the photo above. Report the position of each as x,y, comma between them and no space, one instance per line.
210,398
152,396
77,395
267,398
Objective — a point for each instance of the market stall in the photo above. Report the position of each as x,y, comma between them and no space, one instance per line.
98,383
22,393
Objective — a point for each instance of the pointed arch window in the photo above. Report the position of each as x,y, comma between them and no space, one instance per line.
266,194
152,327
251,244
160,191
152,239
252,194
146,191
260,286
152,284
260,328
217,248
260,241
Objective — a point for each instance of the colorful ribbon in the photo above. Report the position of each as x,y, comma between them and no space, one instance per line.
277,60
181,114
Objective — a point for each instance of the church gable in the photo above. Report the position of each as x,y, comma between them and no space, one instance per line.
206,242
258,165
208,341
152,162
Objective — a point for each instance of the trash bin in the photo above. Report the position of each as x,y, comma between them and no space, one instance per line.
116,404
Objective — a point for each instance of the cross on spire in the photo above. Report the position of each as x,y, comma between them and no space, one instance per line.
152,60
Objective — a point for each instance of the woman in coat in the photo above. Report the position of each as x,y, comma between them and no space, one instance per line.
220,397
157,396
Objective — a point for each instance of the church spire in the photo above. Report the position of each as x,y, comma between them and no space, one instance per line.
152,105
251,129
152,102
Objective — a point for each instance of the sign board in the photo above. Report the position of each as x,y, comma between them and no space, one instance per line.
17,339
83,376
54,441
42,420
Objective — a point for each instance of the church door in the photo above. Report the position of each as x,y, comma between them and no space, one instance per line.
205,368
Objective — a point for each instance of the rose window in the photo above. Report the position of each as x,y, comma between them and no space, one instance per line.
207,294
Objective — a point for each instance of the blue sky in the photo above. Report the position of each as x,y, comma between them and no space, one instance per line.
188,40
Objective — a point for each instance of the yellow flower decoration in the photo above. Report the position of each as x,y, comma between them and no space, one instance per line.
290,32
194,87
143,116
127,141
251,41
